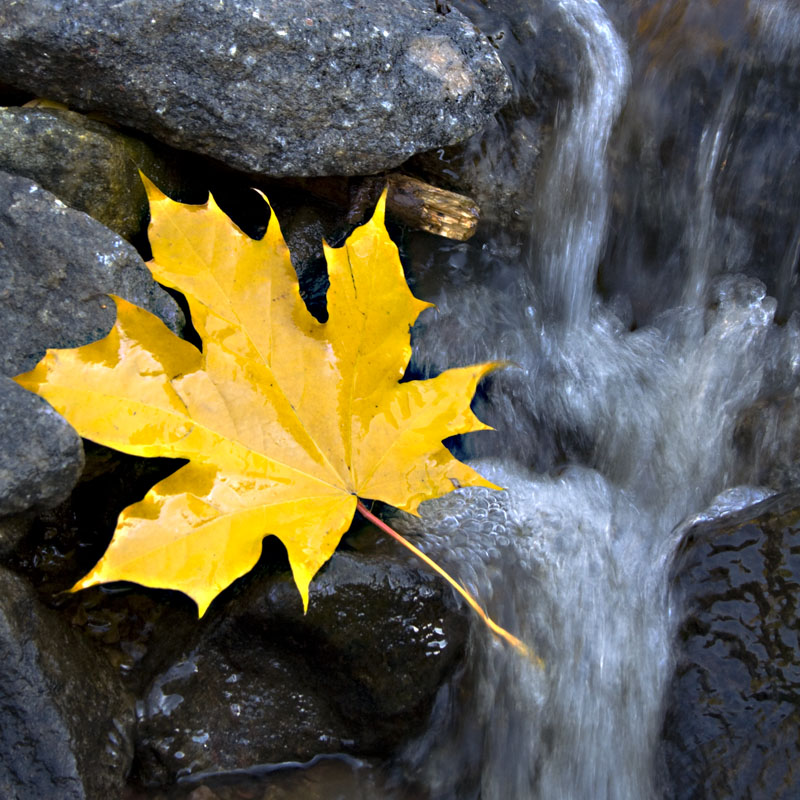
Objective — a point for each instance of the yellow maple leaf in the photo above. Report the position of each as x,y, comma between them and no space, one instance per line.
285,421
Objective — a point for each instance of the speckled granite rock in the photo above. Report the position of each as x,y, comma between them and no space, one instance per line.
278,87
87,164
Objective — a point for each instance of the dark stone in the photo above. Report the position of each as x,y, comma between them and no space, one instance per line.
88,165
67,724
225,709
733,710
266,684
499,166
56,267
334,778
289,87
41,456
13,530
393,626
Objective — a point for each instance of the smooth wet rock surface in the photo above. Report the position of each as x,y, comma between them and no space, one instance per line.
67,724
87,164
733,711
335,778
264,684
282,88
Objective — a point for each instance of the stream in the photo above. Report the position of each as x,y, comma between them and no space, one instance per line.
645,301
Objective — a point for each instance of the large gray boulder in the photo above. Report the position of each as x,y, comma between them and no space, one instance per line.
277,87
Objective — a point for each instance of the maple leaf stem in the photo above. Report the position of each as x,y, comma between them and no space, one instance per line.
502,633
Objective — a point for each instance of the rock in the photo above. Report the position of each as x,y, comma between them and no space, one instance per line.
266,684
221,710
88,165
281,88
13,530
67,724
498,166
733,710
41,457
395,628
57,265
325,779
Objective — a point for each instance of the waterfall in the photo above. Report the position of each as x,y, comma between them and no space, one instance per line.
608,436
571,204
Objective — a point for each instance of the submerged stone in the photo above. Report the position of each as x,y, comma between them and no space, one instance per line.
733,710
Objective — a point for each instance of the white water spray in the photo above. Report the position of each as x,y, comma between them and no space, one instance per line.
575,560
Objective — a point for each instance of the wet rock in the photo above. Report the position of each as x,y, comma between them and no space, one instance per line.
281,88
333,778
394,628
266,684
222,709
66,723
88,165
57,265
13,530
498,166
41,456
733,710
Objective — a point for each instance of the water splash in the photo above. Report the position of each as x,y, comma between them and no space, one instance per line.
607,439
570,216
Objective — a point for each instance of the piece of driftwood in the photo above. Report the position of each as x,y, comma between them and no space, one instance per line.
418,205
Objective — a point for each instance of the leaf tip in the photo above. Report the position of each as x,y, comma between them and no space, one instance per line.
379,215
302,580
86,582
303,589
153,192
203,603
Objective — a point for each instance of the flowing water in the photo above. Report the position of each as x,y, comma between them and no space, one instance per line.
646,304
642,287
